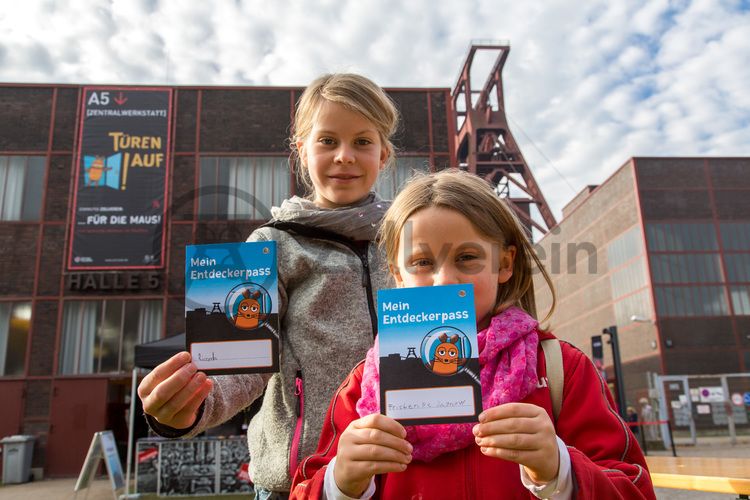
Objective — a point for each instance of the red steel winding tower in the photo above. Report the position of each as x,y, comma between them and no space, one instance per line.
484,144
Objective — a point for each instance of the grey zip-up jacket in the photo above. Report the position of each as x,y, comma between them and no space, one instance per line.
328,280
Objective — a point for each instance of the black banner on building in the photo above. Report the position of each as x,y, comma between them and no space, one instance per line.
121,179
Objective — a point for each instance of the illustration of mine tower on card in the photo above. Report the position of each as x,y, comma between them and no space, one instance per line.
232,307
429,355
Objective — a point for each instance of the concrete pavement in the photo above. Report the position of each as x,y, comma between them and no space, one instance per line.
706,447
62,489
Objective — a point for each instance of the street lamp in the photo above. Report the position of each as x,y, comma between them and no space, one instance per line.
619,382
640,319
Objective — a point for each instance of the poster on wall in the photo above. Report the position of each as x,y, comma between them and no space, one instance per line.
121,179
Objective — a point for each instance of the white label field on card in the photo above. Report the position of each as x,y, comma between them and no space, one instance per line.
430,403
232,354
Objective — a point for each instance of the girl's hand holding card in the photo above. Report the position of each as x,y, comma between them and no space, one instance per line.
521,433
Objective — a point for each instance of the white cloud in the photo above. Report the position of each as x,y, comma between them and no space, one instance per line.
586,86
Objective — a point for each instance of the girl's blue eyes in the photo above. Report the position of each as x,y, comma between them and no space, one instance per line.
427,262
328,141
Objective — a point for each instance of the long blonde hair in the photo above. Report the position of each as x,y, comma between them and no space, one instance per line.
355,92
473,198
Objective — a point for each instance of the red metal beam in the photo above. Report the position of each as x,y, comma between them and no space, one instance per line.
484,142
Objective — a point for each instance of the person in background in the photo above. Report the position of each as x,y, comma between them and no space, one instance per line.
650,431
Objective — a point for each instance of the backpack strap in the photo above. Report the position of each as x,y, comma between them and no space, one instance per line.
555,373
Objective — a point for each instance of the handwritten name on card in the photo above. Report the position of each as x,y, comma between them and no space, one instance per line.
431,402
232,354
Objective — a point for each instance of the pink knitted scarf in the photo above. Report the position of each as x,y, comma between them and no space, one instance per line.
507,356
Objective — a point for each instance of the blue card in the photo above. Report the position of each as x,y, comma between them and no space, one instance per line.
429,355
232,307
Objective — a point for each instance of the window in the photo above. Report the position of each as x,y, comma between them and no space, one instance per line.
21,179
681,237
735,235
691,301
392,180
738,266
624,247
740,300
686,268
15,322
100,336
242,188
628,279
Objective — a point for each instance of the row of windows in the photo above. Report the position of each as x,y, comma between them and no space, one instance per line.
98,336
247,187
681,237
691,301
686,268
686,237
229,187
699,268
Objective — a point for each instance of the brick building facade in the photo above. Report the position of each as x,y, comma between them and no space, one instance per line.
661,250
66,348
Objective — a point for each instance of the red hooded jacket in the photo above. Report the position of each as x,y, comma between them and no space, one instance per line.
606,460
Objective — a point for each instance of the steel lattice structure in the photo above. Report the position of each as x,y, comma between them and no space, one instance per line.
484,144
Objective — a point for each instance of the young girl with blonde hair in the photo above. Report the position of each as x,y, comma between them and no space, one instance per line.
450,228
329,272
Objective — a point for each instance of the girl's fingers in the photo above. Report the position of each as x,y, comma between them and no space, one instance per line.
378,453
369,469
517,456
186,417
513,441
509,410
513,418
380,422
376,437
372,440
162,372
508,426
168,388
180,399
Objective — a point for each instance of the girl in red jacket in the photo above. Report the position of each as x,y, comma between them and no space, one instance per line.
449,228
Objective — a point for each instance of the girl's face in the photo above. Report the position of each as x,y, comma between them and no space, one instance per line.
439,246
343,155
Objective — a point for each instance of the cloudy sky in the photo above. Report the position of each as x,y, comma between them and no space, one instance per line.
588,84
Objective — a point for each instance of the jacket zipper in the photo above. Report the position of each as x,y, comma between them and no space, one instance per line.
324,234
297,437
367,284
